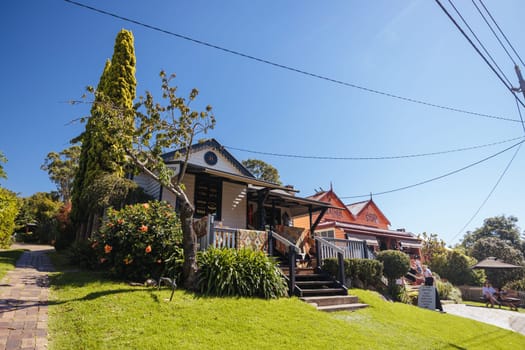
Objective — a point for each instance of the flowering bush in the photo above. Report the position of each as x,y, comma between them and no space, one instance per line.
140,241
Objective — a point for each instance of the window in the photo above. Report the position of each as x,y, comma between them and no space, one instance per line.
208,197
325,234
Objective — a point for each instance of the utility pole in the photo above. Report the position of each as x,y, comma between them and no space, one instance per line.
521,81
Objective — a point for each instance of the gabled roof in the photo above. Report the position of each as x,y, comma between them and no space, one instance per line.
209,143
357,208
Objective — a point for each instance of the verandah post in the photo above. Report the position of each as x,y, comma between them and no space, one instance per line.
291,254
341,270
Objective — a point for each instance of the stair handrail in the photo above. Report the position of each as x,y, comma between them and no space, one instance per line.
292,251
320,244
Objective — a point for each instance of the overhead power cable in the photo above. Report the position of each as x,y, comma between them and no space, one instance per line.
437,177
493,187
371,158
509,84
502,33
494,32
289,68
490,193
477,50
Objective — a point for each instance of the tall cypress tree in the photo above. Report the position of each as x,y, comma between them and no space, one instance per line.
101,153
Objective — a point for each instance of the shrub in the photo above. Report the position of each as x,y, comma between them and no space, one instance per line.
9,206
363,272
140,241
244,272
395,263
447,291
516,285
81,254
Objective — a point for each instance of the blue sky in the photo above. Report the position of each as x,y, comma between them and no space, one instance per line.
51,50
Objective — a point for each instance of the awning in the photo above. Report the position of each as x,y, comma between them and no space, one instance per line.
369,241
410,244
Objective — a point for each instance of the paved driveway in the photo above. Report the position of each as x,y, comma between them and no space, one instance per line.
511,320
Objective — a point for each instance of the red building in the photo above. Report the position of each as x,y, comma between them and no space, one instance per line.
361,221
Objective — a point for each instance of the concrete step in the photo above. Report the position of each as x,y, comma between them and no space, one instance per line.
331,300
342,307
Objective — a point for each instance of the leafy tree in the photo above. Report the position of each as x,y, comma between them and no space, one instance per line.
3,159
432,246
101,150
41,210
495,247
159,127
502,227
456,268
9,206
62,168
262,170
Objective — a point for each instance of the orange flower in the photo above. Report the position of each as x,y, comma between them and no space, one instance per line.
145,205
120,221
110,224
108,248
148,249
143,228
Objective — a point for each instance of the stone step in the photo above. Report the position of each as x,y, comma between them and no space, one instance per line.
331,300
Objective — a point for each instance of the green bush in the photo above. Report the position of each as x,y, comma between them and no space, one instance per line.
9,206
516,285
245,273
140,241
81,254
447,291
363,272
395,263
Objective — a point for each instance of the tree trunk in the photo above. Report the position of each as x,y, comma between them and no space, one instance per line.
189,269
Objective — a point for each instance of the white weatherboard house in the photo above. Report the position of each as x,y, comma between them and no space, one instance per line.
218,184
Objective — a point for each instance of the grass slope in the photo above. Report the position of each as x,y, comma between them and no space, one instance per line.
110,315
8,260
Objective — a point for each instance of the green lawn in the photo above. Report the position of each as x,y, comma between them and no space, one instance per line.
8,260
89,312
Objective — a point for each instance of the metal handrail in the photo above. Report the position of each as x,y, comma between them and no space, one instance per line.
286,242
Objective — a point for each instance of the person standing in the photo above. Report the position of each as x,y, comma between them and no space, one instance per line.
429,281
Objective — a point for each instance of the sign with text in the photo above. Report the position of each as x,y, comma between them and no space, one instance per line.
427,297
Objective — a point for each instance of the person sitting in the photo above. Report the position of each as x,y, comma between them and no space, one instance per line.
489,294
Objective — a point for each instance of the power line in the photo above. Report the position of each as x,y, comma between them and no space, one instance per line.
477,50
289,68
437,177
501,31
480,43
490,193
372,158
493,32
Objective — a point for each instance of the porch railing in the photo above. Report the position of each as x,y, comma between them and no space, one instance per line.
326,250
292,250
352,249
217,237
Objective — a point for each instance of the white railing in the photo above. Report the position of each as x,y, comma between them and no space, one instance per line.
326,249
352,249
